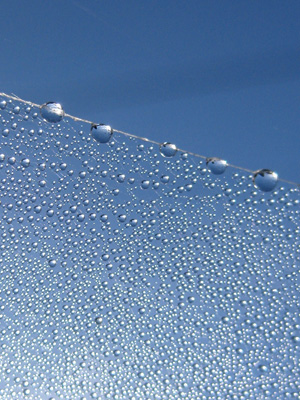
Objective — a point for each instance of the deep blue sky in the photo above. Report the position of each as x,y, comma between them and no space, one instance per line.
221,78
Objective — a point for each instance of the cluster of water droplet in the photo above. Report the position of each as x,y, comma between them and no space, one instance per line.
133,272
264,179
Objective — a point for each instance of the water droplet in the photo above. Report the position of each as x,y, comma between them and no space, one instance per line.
52,263
11,160
168,149
122,218
216,165
101,132
52,112
80,217
25,162
265,179
133,222
2,104
121,178
165,179
145,184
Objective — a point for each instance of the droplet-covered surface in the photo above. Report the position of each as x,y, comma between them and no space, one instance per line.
129,275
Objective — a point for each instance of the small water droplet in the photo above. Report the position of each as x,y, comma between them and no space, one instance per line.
80,217
122,218
52,263
121,178
168,149
11,160
101,132
165,179
145,184
104,218
265,179
216,165
25,162
133,222
52,112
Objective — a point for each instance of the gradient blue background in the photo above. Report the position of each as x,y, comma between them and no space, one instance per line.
214,77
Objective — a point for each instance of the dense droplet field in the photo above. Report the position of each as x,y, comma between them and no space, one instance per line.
131,271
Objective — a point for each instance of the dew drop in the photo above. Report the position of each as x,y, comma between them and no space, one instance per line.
265,179
52,263
165,179
25,162
133,222
168,149
52,112
145,184
216,165
121,178
11,160
80,217
122,218
101,132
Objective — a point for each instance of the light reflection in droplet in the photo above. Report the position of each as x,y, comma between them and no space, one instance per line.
265,179
52,112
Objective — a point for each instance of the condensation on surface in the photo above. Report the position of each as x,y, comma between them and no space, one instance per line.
129,274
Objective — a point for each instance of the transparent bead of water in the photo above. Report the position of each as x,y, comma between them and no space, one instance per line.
25,162
265,179
52,112
168,149
101,132
11,160
216,165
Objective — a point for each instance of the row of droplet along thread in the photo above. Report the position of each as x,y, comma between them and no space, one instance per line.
264,179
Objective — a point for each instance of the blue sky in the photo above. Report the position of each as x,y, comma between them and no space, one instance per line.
218,78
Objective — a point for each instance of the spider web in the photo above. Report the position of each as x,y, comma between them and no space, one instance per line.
129,275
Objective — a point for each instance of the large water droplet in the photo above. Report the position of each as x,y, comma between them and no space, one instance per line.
265,179
101,132
52,112
216,165
168,149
